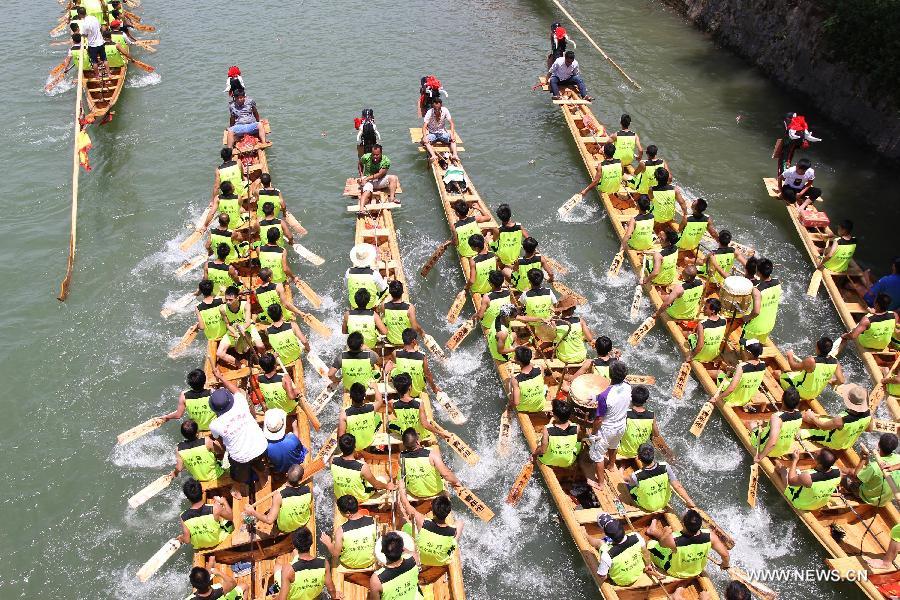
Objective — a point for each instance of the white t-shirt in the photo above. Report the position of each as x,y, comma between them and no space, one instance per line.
606,560
239,431
436,124
90,27
618,400
795,180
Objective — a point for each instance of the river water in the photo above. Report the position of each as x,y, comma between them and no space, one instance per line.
81,372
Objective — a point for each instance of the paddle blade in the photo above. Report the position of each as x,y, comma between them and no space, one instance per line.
294,224
142,65
569,205
322,400
139,430
186,340
641,379
757,588
158,560
565,290
328,448
474,503
636,301
308,293
521,482
151,490
885,426
814,282
316,325
179,305
189,265
681,381
752,485
460,334
616,265
876,396
643,329
557,266
453,412
432,260
318,364
504,435
191,239
434,347
702,419
663,447
308,254
456,307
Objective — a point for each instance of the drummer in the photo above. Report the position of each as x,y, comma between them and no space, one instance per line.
683,302
610,421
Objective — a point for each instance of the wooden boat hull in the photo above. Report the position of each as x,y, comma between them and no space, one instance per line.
102,93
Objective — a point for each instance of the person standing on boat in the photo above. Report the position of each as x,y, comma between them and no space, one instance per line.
705,344
813,374
868,480
664,197
559,42
811,489
204,525
205,589
367,132
285,450
609,421
352,475
243,119
291,505
683,554
234,81
436,540
435,130
373,175
362,419
776,438
766,299
398,579
308,575
571,333
364,320
194,401
354,540
425,469
559,445
621,557
842,431
875,331
628,143
796,183
196,455
836,258
683,302
565,72
651,486
90,31
362,275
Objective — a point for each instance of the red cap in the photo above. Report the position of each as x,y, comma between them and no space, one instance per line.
560,33
234,72
115,23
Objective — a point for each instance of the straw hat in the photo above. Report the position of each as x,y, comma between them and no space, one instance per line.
856,398
586,387
363,255
567,302
274,424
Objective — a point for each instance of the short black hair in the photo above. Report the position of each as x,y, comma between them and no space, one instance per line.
756,349
882,301
609,150
226,153
355,341
274,311
402,382
804,163
495,278
357,393
646,453
671,237
226,188
347,504
232,290
196,379
562,410
504,213
618,371
737,591
692,521
847,225
362,297
200,579
625,120
523,355
887,443
652,150
476,241
535,277
410,438
701,204
639,395
409,335
441,507
222,251
303,539
824,344
265,179
714,304
529,244
267,362
765,267
189,429
569,54
644,203
224,219
461,208
395,287
724,237
268,207
272,234
826,458
392,546
347,443
791,398
192,489
603,345
206,287
662,176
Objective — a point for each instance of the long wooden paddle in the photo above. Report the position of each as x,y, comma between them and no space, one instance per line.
317,364
316,325
435,256
641,379
433,347
814,282
886,475
76,168
752,485
328,447
302,401
456,307
186,340
449,406
152,489
189,265
59,28
308,292
521,482
142,27
158,560
702,418
294,224
199,230
140,65
738,574
569,204
322,399
681,379
558,267
474,503
461,448
139,430
565,290
643,329
461,334
663,447
145,46
636,300
504,434
56,80
308,254
616,265
180,304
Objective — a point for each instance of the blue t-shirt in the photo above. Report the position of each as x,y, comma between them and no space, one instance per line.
890,285
285,453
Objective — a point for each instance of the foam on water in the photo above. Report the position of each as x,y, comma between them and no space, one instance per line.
62,87
144,79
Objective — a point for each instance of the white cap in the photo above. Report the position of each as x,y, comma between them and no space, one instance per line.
363,255
274,424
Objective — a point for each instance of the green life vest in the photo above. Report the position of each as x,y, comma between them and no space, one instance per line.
817,495
664,203
509,244
562,446
199,461
220,277
119,38
309,579
689,557
231,206
892,389
841,259
363,321
267,295
274,223
196,404
840,439
874,488
810,385
80,58
358,549
413,363
356,367
878,335
642,236
396,320
687,306
532,391
713,334
484,264
600,366
214,327
274,394
764,322
538,303
646,179
693,232
751,378
223,236
724,257
234,316
294,512
668,266
400,582
114,57
346,473
790,425
638,429
570,341
284,342
610,176
652,491
231,171
235,594
270,257
627,560
626,142
362,422
406,415
362,278
498,300
492,343
436,544
422,479
206,531
269,195
466,228
520,276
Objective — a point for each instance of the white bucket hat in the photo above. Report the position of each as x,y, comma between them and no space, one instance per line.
363,255
274,424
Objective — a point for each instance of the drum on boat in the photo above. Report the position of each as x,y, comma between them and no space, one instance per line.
583,392
736,296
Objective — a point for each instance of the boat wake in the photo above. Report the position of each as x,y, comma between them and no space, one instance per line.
62,87
144,80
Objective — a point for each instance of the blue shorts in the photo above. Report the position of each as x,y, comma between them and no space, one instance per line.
443,138
242,128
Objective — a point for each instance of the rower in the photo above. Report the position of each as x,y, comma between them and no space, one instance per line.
364,320
530,261
236,313
718,264
539,300
285,339
308,575
683,554
600,365
362,276
409,412
435,130
219,272
269,193
231,171
269,293
640,424
425,469
194,401
706,343
243,119
398,579
270,221
411,360
638,233
565,72
116,53
559,445
683,301
696,226
740,389
836,258
499,341
766,298
205,589
361,419
204,525
491,303
867,481
875,331
527,391
209,315
609,172
291,505
223,235
645,172
354,540
351,474
664,197
373,175
277,390
355,364
609,421
796,183
195,455
776,438
842,431
481,265
509,241
274,257
813,374
436,540
662,265
628,143
811,489
399,315
77,55
571,333
651,486
621,557
465,227
120,29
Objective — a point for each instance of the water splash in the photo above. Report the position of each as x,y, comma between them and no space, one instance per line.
144,80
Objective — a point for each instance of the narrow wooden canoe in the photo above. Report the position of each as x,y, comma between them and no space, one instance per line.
102,92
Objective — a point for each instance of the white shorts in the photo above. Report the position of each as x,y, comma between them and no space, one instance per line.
602,442
376,184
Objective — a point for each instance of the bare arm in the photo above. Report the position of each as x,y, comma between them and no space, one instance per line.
774,432
595,180
629,229
300,336
699,348
675,294
438,462
179,411
732,385
657,263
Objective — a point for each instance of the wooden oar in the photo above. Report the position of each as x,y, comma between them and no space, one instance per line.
571,203
186,340
461,448
641,379
456,307
55,81
681,380
434,347
139,430
885,426
435,256
474,503
878,391
308,254
303,404
142,44
318,364
504,434
558,267
702,418
180,304
565,290
140,65
158,560
738,574
316,325
663,447
521,482
142,27
189,265
59,28
461,334
61,43
199,230
636,300
752,485
322,400
814,282
327,448
308,292
152,489
293,223
616,265
723,535
76,168
643,329
58,68
444,401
